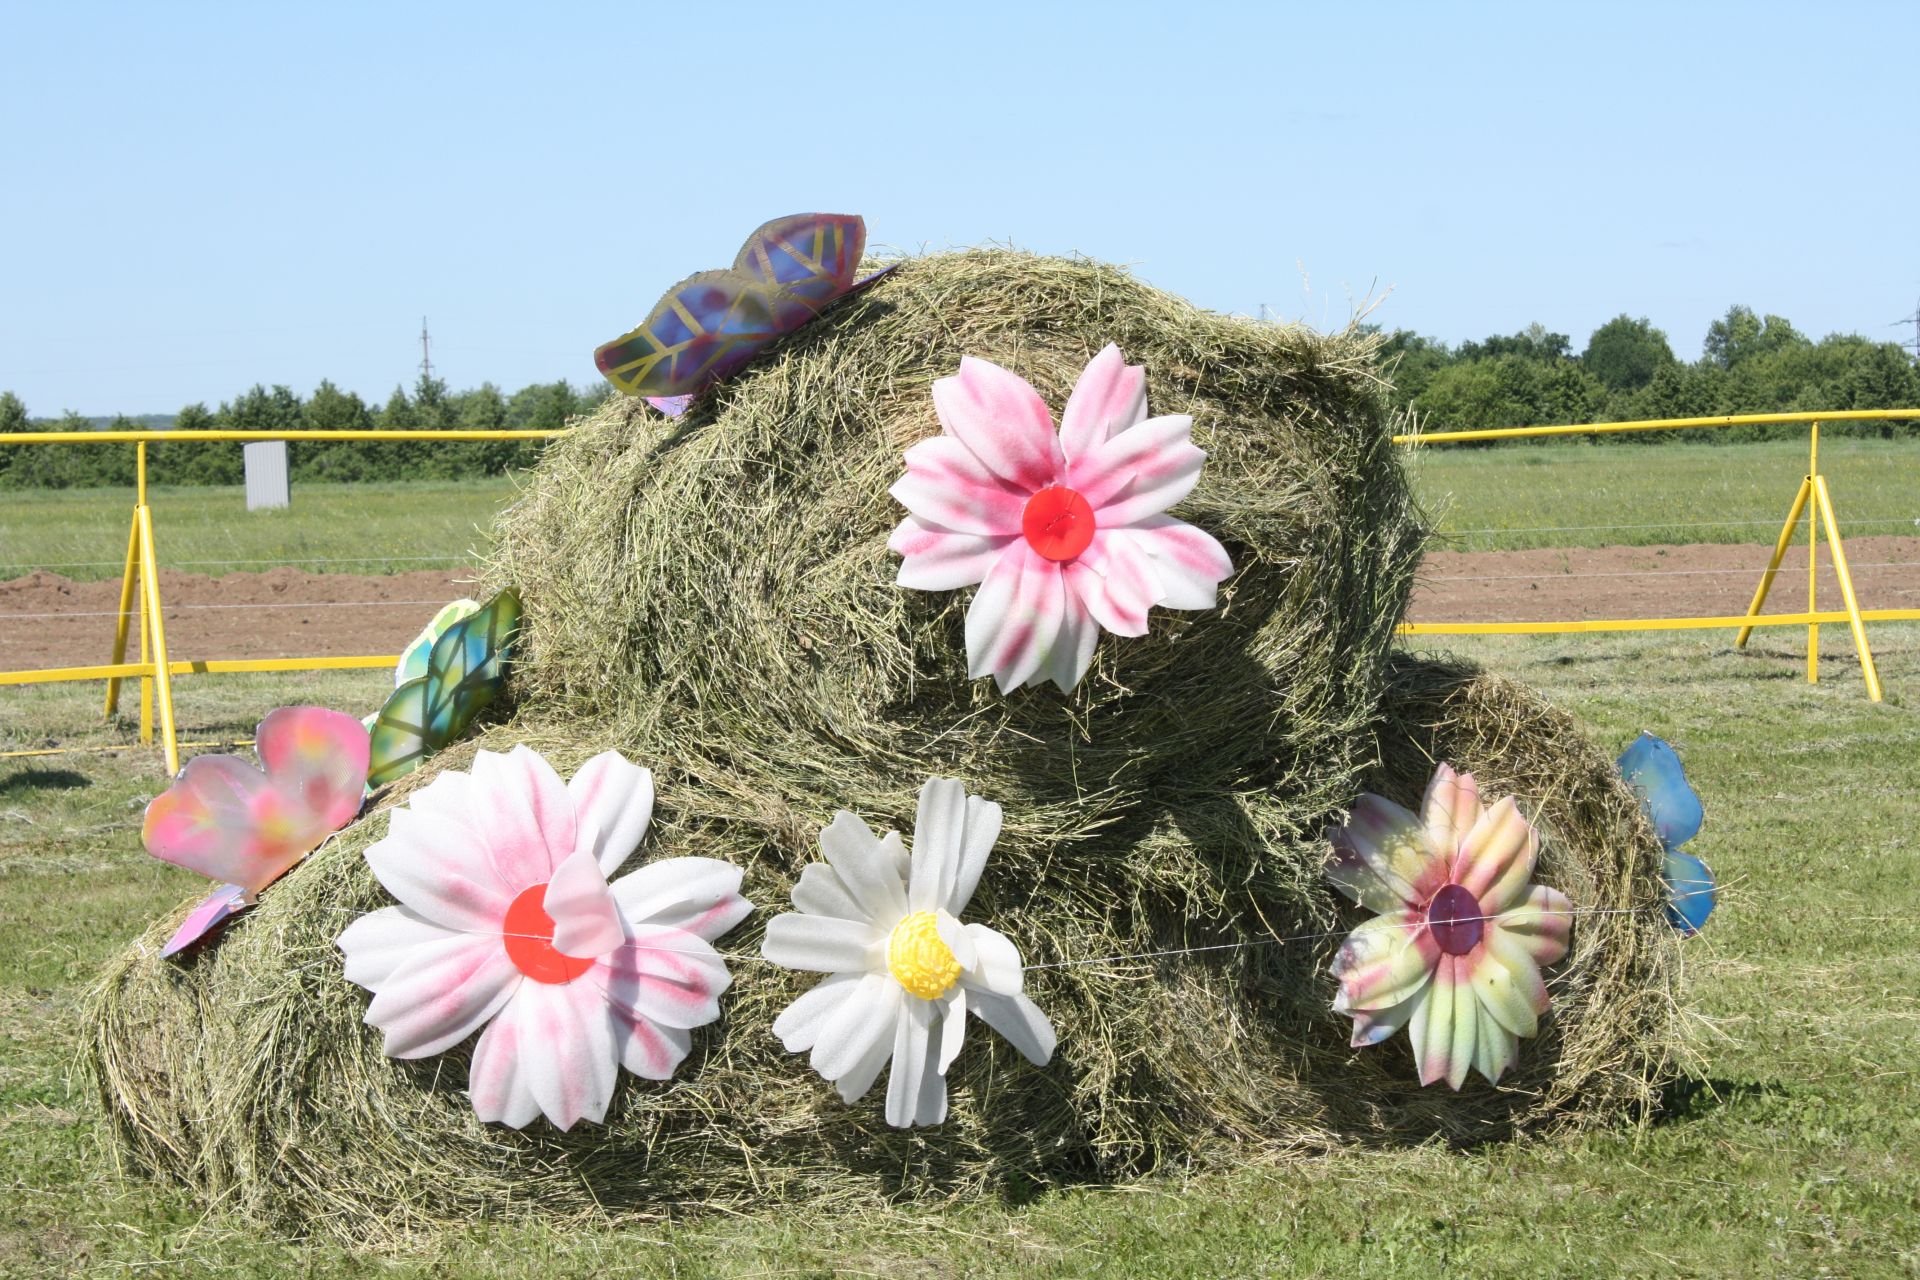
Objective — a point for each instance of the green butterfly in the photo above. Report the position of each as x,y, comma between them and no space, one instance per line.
464,671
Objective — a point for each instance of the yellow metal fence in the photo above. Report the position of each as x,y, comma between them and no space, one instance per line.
140,603
141,612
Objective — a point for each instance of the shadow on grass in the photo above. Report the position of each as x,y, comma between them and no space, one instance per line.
43,780
1695,1097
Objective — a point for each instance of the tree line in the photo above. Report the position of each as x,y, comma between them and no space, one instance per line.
1748,364
430,406
1628,370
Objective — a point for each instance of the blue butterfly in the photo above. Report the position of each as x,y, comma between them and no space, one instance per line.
1652,768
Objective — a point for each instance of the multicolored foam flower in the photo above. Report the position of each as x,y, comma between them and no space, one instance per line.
903,971
248,826
1455,951
1064,532
507,922
1652,767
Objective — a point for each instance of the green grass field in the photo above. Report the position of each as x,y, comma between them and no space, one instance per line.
1549,495
1794,1150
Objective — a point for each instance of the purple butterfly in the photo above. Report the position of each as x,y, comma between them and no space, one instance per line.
709,325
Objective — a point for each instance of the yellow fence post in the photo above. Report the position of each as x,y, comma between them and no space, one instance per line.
1779,553
1824,501
128,580
162,672
1813,560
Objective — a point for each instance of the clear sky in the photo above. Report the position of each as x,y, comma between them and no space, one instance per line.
198,197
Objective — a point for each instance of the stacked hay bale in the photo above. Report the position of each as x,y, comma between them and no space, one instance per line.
714,598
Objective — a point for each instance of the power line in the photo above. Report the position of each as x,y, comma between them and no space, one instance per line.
426,357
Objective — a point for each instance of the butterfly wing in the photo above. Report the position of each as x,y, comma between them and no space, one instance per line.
1691,891
1652,768
464,672
219,906
233,822
413,660
709,325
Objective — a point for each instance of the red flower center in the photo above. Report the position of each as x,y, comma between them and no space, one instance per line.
528,931
1058,523
1456,920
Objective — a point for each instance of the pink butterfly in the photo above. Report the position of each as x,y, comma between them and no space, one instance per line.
247,827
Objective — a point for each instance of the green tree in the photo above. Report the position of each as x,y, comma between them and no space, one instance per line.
13,421
331,409
1740,335
1625,353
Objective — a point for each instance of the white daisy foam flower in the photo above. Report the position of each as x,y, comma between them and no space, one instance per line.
507,922
903,971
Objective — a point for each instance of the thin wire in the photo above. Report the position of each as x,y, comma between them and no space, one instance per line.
1663,524
1129,958
280,604
1744,570
90,564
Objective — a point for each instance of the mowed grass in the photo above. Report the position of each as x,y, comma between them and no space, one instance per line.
1794,1149
1560,494
372,528
1554,494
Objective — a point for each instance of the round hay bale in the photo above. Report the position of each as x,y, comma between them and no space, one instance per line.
713,598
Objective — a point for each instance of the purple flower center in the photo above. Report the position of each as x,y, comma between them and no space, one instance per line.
1455,918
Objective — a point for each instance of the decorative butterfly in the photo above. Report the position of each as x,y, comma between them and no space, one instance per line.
709,325
248,826
1652,768
464,671
413,659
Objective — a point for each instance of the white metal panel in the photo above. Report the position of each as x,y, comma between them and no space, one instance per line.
266,474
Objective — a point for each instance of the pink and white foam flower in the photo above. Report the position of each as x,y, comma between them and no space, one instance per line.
903,971
1065,533
1455,953
507,922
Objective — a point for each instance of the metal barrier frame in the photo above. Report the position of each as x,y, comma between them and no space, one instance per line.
140,583
140,580
1813,497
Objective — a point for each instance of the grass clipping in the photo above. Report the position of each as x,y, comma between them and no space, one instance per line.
714,598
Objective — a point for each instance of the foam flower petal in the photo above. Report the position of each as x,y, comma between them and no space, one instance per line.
552,1049
612,802
946,485
381,941
937,559
1019,1022
665,976
863,866
820,944
864,1021
798,1025
1001,420
1117,585
916,1090
1015,618
1451,808
420,863
1385,961
525,813
1140,472
1189,563
1380,857
1109,396
698,895
1495,861
586,920
441,994
1541,923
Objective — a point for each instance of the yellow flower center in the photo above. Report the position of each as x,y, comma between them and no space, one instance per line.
918,959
